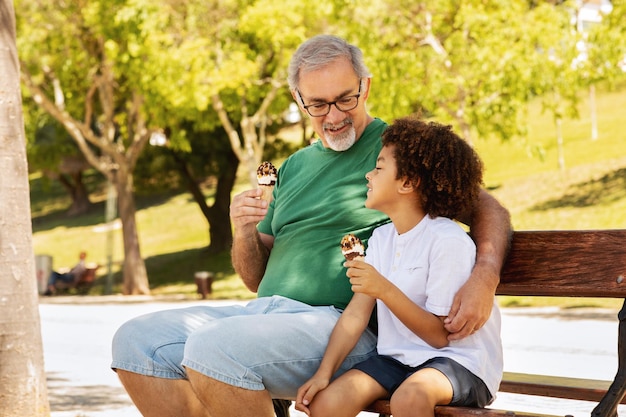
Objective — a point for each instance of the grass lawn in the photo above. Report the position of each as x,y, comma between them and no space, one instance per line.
589,193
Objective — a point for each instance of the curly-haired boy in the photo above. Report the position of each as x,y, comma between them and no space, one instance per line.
424,176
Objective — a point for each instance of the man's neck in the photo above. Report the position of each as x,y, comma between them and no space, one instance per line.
369,120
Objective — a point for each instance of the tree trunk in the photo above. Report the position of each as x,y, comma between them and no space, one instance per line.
70,174
593,112
22,378
220,229
218,215
77,190
559,143
135,276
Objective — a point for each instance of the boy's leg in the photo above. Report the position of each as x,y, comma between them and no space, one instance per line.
347,395
420,392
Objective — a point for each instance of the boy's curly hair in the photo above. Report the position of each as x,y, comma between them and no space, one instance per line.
449,171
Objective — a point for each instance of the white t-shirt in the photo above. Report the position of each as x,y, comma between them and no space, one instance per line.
429,264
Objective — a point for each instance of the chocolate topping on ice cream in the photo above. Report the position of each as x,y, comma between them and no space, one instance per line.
351,247
266,174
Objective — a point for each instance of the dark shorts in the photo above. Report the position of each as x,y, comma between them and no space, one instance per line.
468,389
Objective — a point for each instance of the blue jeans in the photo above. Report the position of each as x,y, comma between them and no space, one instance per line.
56,277
271,343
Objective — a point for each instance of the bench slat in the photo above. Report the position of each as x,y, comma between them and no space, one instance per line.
574,263
555,386
444,411
382,408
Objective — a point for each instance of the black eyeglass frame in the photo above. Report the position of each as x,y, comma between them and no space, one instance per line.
330,103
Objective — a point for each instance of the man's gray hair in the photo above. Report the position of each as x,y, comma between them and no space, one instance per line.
321,50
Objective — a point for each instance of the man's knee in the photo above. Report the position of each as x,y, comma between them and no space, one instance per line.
123,338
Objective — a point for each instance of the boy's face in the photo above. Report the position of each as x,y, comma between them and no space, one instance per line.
382,185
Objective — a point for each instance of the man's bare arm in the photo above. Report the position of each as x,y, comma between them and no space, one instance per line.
490,227
249,257
251,249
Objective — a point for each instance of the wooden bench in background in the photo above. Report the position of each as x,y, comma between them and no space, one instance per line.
589,263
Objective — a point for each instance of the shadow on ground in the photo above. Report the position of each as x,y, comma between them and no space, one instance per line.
64,396
605,190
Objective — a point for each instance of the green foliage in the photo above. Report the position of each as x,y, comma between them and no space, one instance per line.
474,64
462,62
204,154
49,141
606,46
470,63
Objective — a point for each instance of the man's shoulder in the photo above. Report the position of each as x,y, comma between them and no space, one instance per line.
375,128
301,156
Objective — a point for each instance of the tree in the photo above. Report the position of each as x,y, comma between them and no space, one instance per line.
232,93
52,151
121,71
22,378
609,42
225,95
90,79
206,162
246,46
603,44
467,63
557,81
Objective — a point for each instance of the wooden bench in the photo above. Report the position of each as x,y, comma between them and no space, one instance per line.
589,263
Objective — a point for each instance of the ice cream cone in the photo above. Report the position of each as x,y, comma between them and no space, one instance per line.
267,192
266,175
352,248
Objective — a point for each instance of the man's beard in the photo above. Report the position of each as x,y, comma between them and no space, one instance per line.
343,141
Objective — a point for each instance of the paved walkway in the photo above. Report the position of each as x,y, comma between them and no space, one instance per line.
77,332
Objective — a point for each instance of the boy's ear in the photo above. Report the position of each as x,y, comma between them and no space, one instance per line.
409,186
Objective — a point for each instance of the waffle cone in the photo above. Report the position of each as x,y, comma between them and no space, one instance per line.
267,192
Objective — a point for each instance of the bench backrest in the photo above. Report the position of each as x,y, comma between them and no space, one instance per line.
576,263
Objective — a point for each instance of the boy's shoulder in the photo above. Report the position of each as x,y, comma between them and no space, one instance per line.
445,228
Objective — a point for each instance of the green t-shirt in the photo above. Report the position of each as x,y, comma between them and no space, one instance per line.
319,197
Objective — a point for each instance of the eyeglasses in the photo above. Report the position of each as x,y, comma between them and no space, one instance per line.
344,104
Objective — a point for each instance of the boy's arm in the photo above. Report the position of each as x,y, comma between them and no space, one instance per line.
347,331
490,227
423,323
343,339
